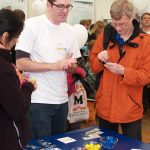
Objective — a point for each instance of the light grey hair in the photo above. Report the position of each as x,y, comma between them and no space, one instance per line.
120,8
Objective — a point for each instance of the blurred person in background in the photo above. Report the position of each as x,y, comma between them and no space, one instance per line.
145,23
86,23
96,30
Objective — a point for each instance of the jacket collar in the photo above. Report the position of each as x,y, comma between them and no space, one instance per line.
132,42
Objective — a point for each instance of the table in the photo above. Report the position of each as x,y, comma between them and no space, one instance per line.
124,143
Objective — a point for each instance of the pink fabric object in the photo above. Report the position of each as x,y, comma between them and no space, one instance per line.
71,85
81,72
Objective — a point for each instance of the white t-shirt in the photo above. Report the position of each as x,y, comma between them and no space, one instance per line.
48,43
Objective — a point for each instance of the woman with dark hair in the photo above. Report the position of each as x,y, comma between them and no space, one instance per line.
21,16
14,97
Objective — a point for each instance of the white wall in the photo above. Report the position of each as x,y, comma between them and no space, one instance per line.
30,12
102,8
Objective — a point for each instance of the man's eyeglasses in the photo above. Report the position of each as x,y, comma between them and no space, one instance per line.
61,7
121,25
146,18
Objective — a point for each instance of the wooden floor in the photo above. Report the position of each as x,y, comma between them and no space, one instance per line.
145,124
146,127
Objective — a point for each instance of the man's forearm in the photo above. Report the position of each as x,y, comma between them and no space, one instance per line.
26,64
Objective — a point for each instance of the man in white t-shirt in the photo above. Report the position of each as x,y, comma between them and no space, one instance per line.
47,50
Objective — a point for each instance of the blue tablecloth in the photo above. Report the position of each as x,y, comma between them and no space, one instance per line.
51,142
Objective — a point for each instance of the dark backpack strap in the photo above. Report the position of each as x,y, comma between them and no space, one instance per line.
109,32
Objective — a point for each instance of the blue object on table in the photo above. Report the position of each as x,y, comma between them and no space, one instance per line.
124,142
108,142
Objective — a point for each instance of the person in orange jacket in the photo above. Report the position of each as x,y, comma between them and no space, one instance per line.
125,65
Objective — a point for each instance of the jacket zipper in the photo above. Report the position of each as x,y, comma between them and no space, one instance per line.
17,130
121,52
133,100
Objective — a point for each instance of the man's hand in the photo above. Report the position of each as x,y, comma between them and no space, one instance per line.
103,56
65,64
72,68
115,68
34,83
